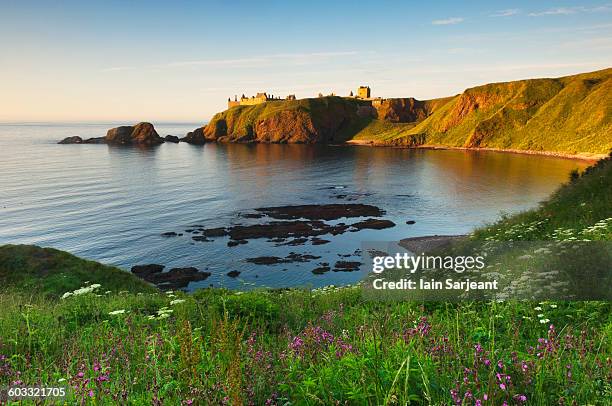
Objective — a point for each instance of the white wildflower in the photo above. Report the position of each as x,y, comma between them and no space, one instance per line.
115,312
176,301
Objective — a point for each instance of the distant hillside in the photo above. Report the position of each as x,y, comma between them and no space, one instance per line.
572,114
569,115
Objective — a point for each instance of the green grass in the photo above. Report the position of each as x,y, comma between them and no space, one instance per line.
571,114
326,346
573,211
240,121
48,271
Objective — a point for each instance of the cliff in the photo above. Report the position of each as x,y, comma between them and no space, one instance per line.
569,115
572,114
306,121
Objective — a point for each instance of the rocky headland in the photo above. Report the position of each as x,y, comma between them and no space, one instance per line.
569,116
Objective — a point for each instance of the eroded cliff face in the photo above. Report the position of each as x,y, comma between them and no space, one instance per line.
403,110
307,121
570,114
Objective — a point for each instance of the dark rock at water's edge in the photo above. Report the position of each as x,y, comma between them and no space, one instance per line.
195,137
146,271
346,266
78,140
214,232
292,257
171,234
321,270
72,140
172,138
319,241
372,224
285,229
321,211
95,140
233,243
140,134
233,274
175,278
299,223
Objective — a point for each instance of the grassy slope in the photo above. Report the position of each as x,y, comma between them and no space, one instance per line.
240,118
318,347
576,206
54,272
571,114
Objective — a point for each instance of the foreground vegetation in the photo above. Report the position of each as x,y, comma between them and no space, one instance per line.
326,346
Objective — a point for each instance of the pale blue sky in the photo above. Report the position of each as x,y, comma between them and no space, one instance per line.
154,61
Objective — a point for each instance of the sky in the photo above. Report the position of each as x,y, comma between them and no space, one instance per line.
181,60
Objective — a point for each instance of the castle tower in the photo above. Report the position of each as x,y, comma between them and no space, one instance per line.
363,92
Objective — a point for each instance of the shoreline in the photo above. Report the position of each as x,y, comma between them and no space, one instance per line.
428,243
583,156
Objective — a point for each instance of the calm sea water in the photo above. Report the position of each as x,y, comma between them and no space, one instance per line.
111,204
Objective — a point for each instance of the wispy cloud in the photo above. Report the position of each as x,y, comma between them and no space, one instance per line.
506,13
301,58
448,21
555,11
254,61
117,68
572,10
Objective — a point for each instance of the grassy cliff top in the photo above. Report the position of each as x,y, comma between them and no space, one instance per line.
48,271
571,114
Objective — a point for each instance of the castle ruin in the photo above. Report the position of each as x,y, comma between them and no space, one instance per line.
363,93
259,98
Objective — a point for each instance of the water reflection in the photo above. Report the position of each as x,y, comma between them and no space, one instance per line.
112,203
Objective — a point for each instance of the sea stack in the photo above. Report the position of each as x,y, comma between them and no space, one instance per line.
140,134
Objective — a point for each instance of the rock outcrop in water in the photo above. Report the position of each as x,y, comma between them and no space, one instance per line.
72,140
175,278
139,134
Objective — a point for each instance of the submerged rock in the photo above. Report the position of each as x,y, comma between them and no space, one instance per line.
373,224
347,266
321,211
292,257
321,270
